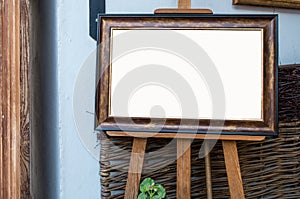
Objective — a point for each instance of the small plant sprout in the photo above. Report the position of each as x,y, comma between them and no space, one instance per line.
150,190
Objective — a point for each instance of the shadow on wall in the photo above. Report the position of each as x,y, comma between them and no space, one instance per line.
44,100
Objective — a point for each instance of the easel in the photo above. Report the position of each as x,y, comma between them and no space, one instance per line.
184,162
184,147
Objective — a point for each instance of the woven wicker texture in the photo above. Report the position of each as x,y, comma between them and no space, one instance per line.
270,169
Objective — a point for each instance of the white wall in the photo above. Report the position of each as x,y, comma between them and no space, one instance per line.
78,169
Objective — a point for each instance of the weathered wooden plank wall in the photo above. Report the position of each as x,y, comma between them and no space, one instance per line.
25,98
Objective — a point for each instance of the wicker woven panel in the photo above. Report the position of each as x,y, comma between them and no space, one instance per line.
270,169
289,93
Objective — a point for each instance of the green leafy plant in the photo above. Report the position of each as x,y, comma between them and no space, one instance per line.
150,190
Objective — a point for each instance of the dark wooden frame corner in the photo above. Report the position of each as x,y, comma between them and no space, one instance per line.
293,4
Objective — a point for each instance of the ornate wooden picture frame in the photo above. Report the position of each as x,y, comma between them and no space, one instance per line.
294,4
249,42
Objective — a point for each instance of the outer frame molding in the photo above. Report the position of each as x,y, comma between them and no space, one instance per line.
10,179
266,127
294,4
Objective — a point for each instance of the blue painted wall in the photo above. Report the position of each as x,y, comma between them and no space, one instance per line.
65,150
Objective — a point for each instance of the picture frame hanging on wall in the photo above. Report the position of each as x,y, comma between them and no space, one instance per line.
188,74
294,4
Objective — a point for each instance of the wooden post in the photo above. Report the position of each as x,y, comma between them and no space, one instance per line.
10,174
184,7
184,4
208,171
235,182
135,168
183,169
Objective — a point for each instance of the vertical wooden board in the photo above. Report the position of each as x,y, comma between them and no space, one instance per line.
184,4
233,170
10,99
1,93
209,192
135,168
183,168
25,105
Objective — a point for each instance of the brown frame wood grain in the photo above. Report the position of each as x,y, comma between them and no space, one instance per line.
10,172
294,4
14,103
266,127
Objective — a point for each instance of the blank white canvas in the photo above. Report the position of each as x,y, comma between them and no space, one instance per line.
237,56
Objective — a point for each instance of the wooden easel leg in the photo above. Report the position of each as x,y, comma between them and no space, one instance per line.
233,170
183,169
135,168
208,173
